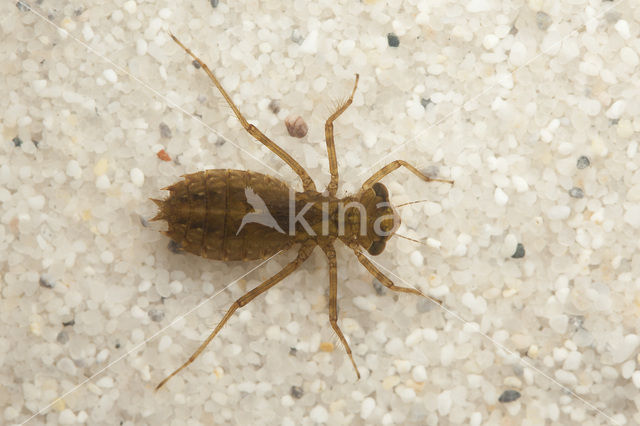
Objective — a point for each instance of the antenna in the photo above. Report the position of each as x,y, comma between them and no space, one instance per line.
410,239
411,202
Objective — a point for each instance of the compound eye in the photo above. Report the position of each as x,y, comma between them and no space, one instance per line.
380,190
376,248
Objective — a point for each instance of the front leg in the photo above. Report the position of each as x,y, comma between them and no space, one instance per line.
384,279
394,165
331,146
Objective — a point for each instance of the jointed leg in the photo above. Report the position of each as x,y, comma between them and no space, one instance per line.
251,129
333,299
331,147
303,254
386,281
395,165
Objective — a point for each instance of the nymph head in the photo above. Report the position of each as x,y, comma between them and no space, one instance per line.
382,219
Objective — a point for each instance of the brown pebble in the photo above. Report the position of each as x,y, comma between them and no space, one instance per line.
162,154
326,347
296,126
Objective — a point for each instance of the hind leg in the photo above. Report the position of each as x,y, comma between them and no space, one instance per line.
303,255
333,300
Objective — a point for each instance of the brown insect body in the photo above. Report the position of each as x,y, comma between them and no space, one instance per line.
205,213
213,214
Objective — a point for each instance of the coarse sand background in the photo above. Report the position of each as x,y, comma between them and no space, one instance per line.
532,107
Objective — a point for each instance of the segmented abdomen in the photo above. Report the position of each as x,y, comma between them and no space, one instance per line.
205,211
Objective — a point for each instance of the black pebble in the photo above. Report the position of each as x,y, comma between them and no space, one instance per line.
425,102
175,247
296,392
156,315
144,222
296,37
509,396
425,305
214,3
431,171
393,40
165,131
543,20
577,321
274,106
378,287
583,162
22,6
17,141
196,64
69,323
519,251
576,192
62,338
46,282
